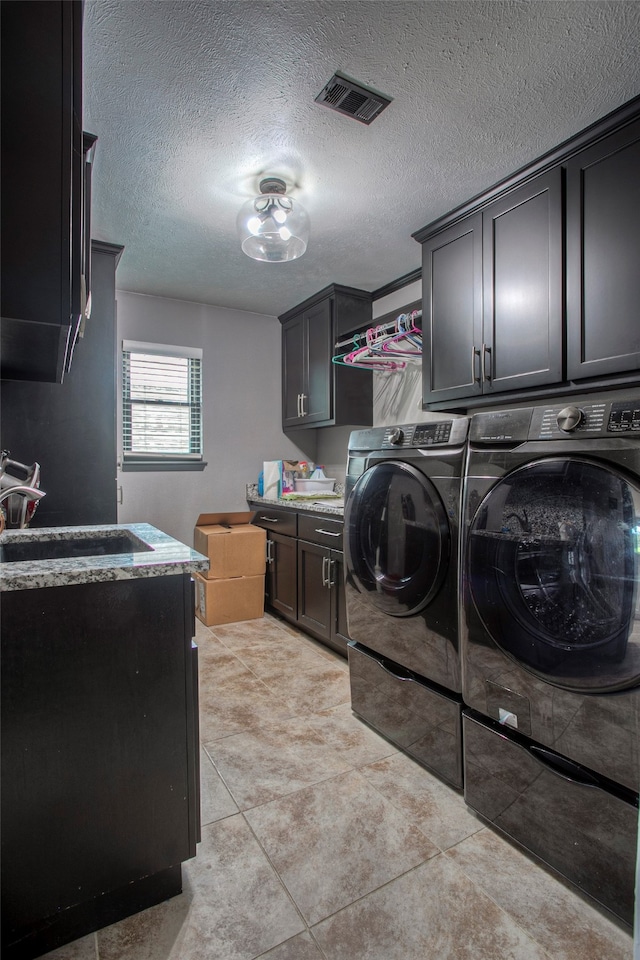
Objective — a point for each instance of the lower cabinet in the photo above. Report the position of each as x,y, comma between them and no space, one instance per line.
305,574
281,580
321,594
100,748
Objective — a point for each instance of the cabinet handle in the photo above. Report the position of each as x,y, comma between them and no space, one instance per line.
270,519
325,571
269,553
299,409
331,582
486,350
303,397
327,533
474,353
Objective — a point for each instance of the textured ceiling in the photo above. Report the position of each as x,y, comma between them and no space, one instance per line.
195,101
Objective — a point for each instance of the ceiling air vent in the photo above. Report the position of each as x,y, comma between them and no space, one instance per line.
351,98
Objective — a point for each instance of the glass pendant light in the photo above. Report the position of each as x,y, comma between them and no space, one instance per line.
273,226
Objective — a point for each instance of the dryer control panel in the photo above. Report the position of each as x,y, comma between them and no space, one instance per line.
600,418
586,420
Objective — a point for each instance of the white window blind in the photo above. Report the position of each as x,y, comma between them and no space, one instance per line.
161,402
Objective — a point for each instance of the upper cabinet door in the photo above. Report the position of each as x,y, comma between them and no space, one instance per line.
452,311
316,402
523,308
603,241
294,365
42,181
316,392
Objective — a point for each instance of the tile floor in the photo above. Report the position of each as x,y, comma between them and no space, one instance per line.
322,842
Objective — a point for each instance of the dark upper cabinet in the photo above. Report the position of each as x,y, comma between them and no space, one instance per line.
603,244
522,287
316,392
492,296
452,311
306,350
43,174
70,428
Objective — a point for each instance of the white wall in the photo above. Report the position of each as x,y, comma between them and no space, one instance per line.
242,413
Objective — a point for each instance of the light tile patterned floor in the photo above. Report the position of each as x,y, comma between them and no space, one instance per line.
322,842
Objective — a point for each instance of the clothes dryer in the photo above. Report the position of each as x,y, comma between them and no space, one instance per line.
401,545
550,635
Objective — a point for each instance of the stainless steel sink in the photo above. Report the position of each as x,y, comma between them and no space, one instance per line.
41,548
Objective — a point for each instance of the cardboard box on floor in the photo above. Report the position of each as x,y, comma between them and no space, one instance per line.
235,547
229,600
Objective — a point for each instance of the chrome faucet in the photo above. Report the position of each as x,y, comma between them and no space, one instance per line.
25,487
29,492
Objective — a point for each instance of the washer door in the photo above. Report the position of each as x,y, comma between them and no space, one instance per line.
553,570
397,539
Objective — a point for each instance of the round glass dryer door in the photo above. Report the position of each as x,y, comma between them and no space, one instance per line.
397,541
553,569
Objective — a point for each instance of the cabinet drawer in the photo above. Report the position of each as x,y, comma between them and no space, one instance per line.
320,529
276,519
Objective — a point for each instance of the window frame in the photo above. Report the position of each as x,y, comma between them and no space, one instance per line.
157,460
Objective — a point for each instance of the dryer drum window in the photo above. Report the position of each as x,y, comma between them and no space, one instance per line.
553,569
397,538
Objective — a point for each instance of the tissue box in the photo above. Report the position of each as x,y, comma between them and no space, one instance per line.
234,546
272,478
230,600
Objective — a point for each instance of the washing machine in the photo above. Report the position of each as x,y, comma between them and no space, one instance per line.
401,546
550,635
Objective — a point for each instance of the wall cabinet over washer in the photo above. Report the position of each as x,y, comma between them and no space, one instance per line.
492,300
603,240
532,288
316,392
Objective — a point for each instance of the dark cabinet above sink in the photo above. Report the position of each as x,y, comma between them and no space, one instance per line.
44,160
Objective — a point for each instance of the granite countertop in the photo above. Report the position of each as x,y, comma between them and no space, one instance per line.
159,555
333,506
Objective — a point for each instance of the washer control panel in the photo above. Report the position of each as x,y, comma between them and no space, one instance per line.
624,416
585,420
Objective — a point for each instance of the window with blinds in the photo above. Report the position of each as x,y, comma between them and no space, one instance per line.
161,402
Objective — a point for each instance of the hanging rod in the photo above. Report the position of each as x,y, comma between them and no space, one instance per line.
389,327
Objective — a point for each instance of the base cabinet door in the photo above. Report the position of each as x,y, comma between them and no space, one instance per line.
603,239
314,598
281,579
321,606
339,614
